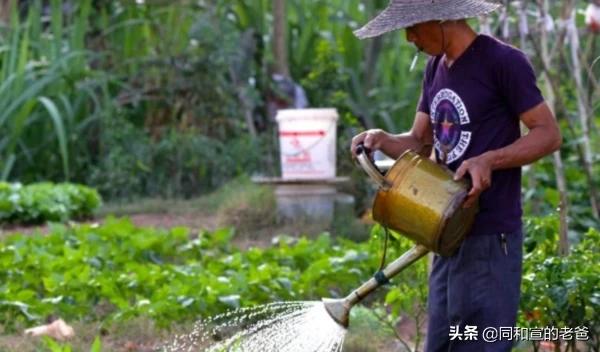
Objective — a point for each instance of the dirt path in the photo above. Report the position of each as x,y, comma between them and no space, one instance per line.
196,222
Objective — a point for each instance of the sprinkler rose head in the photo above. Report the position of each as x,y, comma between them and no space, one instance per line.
339,310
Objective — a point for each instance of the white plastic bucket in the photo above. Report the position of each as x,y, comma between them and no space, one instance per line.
307,141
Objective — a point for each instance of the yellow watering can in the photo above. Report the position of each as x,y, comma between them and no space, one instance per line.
419,199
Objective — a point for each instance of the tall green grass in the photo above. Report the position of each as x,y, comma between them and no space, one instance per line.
48,93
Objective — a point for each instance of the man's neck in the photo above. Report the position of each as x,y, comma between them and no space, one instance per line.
460,36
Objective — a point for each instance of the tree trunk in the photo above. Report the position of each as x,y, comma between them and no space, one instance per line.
527,169
371,52
561,182
523,26
280,53
5,11
584,116
504,20
239,72
589,58
373,49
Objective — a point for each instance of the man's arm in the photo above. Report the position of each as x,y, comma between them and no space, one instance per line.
543,138
419,139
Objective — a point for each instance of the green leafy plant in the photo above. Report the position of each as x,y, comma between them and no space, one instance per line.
562,291
117,271
41,202
54,346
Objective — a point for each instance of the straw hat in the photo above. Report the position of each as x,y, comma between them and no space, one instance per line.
405,13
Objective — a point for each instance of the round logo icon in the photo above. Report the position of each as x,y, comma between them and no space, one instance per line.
448,115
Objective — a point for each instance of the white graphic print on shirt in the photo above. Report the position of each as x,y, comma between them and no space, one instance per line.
448,115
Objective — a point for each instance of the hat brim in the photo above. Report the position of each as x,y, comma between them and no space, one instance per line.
401,15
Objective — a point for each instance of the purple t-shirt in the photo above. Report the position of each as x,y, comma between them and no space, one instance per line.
474,107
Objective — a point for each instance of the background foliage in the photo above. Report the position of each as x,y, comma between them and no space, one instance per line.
122,91
161,98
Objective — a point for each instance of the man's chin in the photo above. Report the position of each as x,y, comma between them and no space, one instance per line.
432,53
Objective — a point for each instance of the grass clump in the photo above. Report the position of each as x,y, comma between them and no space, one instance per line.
246,206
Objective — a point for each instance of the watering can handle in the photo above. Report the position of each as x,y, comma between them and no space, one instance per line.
362,154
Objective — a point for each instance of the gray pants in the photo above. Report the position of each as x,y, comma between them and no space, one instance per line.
479,286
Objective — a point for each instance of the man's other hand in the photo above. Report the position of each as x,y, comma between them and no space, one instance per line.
480,170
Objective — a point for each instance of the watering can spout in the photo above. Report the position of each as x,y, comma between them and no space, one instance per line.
339,309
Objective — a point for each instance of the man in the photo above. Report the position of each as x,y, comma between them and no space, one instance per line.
475,91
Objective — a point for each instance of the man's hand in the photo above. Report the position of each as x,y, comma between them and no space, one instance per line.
419,139
372,139
480,170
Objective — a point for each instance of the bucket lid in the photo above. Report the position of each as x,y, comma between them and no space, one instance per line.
304,114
